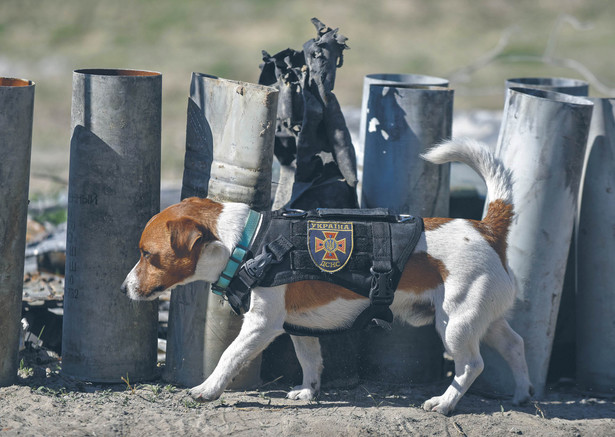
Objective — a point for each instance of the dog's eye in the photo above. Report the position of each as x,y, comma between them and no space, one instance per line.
146,254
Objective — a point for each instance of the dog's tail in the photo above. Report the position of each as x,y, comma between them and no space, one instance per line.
498,179
478,156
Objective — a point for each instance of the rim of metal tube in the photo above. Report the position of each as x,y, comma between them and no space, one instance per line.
409,86
240,84
14,82
552,95
407,78
117,72
548,81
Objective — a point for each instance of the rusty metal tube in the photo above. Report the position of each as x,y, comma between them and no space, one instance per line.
114,189
16,111
404,122
229,153
542,140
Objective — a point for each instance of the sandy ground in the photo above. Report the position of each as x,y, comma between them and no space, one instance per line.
44,403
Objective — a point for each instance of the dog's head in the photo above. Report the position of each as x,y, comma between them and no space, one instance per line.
172,244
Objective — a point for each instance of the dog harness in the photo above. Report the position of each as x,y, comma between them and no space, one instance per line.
363,250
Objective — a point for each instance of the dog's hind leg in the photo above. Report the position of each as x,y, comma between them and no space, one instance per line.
461,338
310,358
468,365
509,344
261,325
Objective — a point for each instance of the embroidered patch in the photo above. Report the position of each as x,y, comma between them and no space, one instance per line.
330,244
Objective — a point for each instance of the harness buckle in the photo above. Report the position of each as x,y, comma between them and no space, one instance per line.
381,291
256,266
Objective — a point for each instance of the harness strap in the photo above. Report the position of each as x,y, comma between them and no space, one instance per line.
367,318
382,290
238,290
379,286
381,295
381,235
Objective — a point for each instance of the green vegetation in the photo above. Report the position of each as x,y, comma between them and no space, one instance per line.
25,371
46,41
53,216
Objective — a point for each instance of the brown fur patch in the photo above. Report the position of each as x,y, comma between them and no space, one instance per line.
164,264
433,223
422,273
306,295
494,227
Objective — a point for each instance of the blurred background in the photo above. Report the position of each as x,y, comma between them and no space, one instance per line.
476,44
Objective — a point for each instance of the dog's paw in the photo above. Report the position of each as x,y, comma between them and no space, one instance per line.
302,393
438,405
523,396
203,394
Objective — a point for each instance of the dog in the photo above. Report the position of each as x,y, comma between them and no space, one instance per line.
458,270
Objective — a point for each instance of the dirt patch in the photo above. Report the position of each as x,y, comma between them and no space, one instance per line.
44,402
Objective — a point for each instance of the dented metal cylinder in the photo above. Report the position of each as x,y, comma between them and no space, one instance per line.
563,352
16,111
404,122
114,189
393,79
542,141
595,248
229,152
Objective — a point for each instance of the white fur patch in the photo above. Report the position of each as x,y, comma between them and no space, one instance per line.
231,223
477,156
215,255
340,313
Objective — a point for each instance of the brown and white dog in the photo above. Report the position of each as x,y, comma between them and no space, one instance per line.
458,269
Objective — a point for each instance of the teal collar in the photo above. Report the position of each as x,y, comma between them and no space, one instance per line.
239,253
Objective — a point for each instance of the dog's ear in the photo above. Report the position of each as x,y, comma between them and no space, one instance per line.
187,235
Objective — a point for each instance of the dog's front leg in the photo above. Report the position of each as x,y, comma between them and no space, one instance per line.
310,358
261,325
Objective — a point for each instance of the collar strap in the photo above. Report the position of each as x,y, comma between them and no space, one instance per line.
239,253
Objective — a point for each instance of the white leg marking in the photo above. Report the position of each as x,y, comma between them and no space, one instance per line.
468,365
509,344
310,358
261,325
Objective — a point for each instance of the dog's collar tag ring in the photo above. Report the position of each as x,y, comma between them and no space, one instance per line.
239,253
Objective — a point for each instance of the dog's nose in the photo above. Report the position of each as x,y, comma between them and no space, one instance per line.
124,287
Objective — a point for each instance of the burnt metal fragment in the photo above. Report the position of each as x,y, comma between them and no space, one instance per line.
312,139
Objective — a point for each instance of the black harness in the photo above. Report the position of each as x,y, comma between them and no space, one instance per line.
363,250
